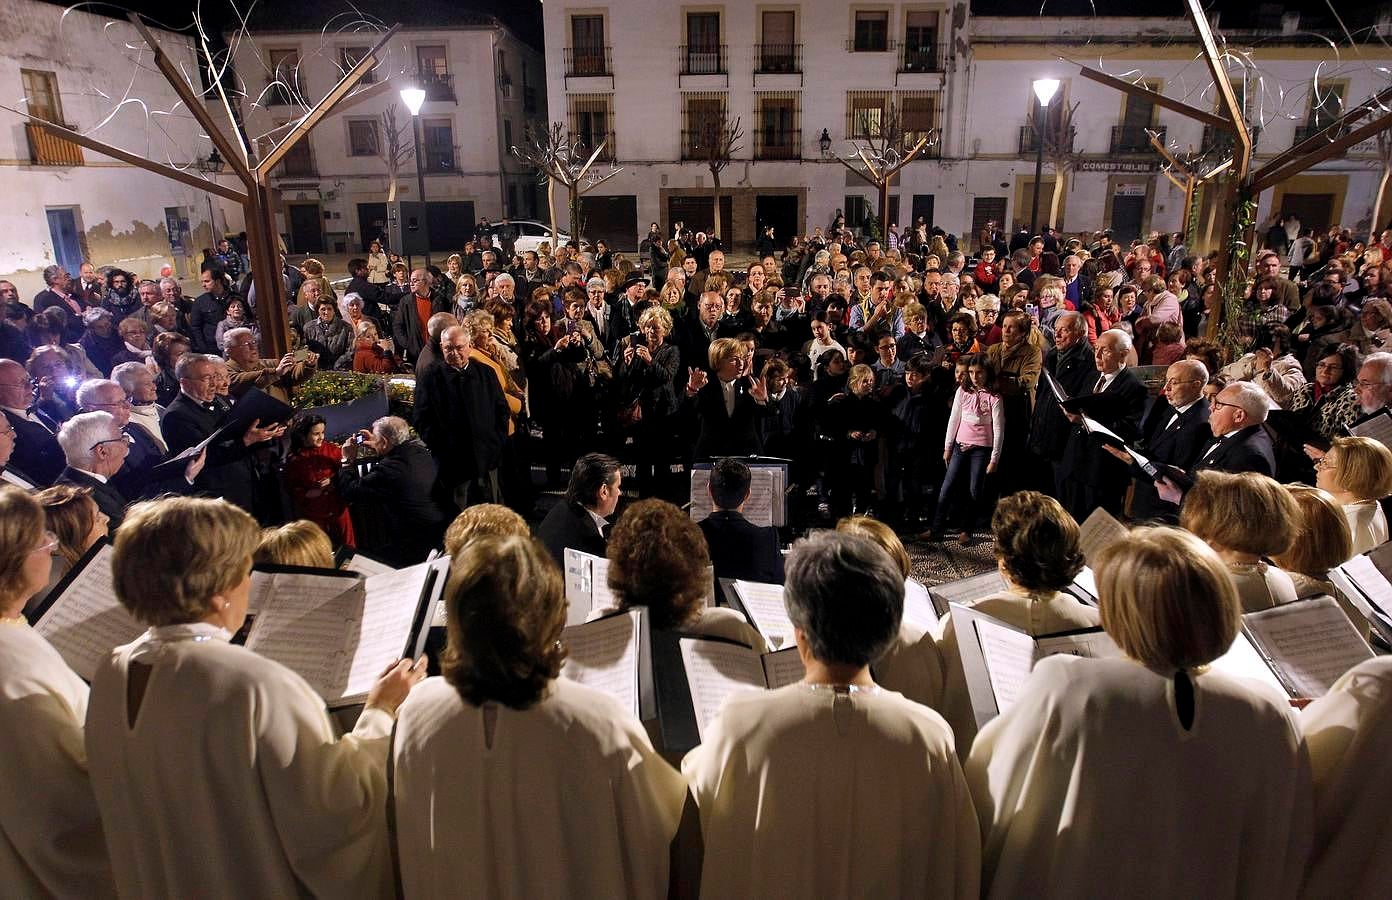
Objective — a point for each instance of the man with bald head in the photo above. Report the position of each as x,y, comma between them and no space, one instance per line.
1092,477
462,416
1174,431
37,456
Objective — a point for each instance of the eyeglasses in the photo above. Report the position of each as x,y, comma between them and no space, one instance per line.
1216,403
1325,462
125,438
1368,385
1329,367
49,545
1169,382
124,401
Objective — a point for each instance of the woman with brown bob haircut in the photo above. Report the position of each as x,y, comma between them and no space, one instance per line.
658,559
573,791
1322,541
1152,749
1246,518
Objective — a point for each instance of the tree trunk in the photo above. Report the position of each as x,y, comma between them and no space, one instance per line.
715,178
1374,228
1057,198
884,207
551,208
574,201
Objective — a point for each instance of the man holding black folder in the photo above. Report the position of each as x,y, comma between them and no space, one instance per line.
1091,477
1237,419
1070,363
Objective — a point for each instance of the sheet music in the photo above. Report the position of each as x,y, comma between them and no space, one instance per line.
1379,428
1098,532
1311,642
918,608
587,585
388,619
310,629
714,671
1090,644
764,604
266,586
1009,657
765,501
1087,580
365,566
1095,427
966,591
603,654
1344,585
1372,583
87,622
14,478
1243,661
782,668
1059,395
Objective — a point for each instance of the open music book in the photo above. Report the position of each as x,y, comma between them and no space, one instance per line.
607,655
81,616
339,631
767,503
715,669
1308,645
966,591
364,565
1366,587
10,476
762,605
586,585
1098,532
997,658
919,612
1379,428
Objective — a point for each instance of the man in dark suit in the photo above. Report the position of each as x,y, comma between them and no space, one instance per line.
461,415
697,330
95,448
1174,432
1071,364
136,479
400,491
729,406
58,293
194,415
36,450
412,315
1237,419
739,548
1093,478
579,522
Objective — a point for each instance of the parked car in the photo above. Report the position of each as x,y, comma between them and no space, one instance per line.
532,234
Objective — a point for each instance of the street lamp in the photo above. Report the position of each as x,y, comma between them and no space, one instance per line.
414,98
1044,89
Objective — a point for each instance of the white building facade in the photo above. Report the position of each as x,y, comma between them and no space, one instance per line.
483,85
64,204
651,79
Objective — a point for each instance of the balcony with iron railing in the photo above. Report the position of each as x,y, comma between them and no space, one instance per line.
772,59
439,86
1029,140
920,57
778,143
1135,138
297,166
702,59
440,160
1221,140
47,149
588,61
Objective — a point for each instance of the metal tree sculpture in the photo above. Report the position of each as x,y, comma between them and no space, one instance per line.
882,147
392,148
559,158
716,143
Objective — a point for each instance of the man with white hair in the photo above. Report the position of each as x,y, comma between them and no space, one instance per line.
1374,386
95,448
410,321
249,370
1237,418
506,288
1090,477
400,485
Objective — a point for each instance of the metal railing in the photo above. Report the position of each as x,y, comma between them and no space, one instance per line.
440,159
586,61
1134,138
921,58
779,143
1029,140
702,59
695,144
439,86
775,58
47,149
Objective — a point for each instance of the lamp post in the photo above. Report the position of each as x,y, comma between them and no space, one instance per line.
414,98
1044,89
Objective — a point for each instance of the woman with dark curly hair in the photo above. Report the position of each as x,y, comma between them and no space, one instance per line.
1038,555
573,791
658,559
1329,403
309,476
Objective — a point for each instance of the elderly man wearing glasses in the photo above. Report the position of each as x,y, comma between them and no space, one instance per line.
1240,444
96,448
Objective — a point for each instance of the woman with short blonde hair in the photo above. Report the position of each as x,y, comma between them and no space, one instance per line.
575,792
273,801
297,543
480,520
1152,749
1358,472
655,314
1246,518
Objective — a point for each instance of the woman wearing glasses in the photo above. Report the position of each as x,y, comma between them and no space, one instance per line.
1330,403
51,841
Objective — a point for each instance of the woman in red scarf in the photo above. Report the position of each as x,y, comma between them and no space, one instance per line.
309,475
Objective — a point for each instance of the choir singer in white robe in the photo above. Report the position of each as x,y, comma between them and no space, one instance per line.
50,834
509,781
1148,775
1038,555
1349,734
217,771
834,787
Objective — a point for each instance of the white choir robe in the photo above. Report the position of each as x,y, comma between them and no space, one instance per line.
1367,523
912,666
805,793
50,833
1349,735
1089,786
568,799
1044,614
231,783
